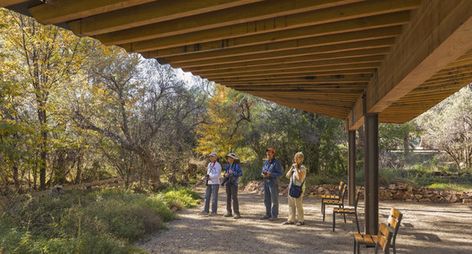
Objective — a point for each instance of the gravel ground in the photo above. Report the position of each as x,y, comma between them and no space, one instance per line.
426,228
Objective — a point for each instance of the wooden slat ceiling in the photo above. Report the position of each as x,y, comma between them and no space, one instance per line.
316,56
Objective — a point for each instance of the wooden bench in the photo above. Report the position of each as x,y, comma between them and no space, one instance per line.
393,225
336,202
336,196
347,210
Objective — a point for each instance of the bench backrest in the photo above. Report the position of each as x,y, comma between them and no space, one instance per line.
340,187
356,201
342,194
394,221
383,237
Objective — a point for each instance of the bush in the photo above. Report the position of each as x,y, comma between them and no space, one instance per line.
105,221
251,172
181,198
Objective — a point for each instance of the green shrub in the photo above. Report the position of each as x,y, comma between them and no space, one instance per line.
105,221
251,172
181,198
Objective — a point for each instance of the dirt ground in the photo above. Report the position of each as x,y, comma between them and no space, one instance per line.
425,229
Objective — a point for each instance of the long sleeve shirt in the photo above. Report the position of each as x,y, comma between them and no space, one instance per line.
273,167
297,177
235,168
214,172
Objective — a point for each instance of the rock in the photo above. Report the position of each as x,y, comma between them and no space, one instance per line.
56,190
467,201
392,186
452,198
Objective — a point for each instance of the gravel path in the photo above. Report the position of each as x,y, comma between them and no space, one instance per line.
426,229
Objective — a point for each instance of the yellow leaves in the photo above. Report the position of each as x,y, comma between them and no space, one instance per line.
219,133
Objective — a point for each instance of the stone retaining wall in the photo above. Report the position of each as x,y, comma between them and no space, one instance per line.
401,191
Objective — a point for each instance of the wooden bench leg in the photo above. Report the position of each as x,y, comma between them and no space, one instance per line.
323,210
334,220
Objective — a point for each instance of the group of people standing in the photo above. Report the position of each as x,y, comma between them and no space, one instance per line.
271,172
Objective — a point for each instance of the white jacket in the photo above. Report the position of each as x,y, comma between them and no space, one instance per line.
214,171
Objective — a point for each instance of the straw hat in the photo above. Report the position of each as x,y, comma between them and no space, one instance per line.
232,155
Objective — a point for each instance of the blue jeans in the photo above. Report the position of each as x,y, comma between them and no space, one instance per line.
211,190
271,197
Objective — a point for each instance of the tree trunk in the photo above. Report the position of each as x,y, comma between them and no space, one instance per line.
43,159
406,146
15,176
78,176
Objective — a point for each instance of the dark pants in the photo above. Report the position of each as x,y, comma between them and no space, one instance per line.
271,197
232,193
211,190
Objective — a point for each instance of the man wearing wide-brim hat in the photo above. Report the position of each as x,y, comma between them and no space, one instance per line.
232,173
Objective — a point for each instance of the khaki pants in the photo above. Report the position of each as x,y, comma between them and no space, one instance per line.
295,205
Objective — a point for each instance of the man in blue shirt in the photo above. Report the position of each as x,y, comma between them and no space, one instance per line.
271,171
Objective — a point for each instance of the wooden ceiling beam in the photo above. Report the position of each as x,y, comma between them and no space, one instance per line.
294,60
439,34
59,11
285,82
6,3
312,75
365,35
206,40
305,80
357,86
303,65
250,15
275,91
317,96
300,71
336,112
335,104
280,55
154,12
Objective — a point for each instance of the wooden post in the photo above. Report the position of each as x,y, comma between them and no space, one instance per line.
351,179
371,170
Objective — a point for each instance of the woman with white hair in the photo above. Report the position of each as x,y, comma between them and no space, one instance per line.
297,176
213,185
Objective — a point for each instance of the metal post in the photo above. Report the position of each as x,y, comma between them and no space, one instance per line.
371,170
351,178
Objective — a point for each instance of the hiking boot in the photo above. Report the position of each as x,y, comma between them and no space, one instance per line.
237,216
265,217
300,223
272,218
203,213
228,215
288,223
212,214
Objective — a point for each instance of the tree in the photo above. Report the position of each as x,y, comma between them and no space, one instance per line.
143,109
42,58
448,126
222,131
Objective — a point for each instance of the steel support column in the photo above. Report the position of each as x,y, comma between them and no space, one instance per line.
351,178
371,172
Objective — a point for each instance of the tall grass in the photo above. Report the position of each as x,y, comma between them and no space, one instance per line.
105,221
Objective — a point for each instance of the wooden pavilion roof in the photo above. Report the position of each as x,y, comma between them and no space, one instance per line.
341,58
